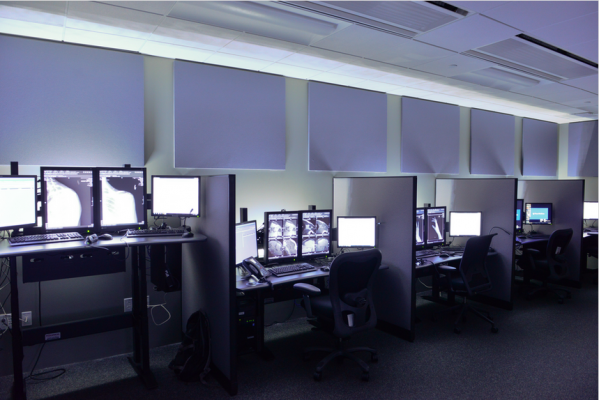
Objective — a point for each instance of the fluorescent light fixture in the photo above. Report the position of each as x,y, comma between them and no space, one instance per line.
234,61
174,51
506,76
31,29
290,71
306,61
102,40
255,51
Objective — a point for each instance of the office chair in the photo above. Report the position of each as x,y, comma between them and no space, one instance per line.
469,279
549,266
347,309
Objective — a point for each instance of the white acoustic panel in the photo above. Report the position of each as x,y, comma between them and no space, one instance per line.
70,105
539,148
348,129
430,137
492,143
582,149
228,118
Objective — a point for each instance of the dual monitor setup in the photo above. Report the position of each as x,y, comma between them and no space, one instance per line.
533,214
431,226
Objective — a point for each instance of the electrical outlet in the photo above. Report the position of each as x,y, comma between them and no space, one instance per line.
5,321
129,303
26,318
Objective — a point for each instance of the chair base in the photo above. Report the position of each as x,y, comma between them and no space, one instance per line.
464,308
341,353
546,289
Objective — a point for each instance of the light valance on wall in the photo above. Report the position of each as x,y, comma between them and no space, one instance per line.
492,143
228,118
348,129
539,148
430,137
67,105
582,149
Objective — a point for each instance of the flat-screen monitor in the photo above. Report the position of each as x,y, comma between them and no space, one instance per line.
67,198
281,235
467,223
246,244
519,214
420,228
435,226
356,232
121,198
18,197
539,213
591,210
175,196
316,233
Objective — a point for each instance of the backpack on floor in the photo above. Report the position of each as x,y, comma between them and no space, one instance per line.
192,361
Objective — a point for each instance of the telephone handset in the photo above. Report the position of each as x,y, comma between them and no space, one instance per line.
252,266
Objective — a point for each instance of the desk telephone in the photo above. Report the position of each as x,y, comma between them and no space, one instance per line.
253,267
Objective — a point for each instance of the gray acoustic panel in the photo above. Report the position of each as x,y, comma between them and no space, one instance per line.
492,143
70,105
496,199
430,137
348,129
539,148
582,149
228,118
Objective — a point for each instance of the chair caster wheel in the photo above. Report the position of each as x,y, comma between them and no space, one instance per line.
456,330
317,376
374,357
494,329
365,376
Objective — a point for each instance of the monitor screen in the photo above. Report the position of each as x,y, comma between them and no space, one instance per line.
356,232
246,244
122,198
18,197
519,213
316,233
67,198
435,226
420,228
465,223
175,196
591,210
281,235
539,213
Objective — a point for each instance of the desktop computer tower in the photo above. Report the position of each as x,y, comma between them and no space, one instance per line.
165,267
246,325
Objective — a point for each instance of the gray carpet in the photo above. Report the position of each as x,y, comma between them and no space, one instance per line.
543,350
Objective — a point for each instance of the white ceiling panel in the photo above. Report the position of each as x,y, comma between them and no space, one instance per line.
588,83
41,12
102,39
556,92
458,35
358,72
191,34
176,52
230,60
583,103
454,65
291,71
569,33
245,49
336,79
311,62
478,6
586,50
376,86
31,29
156,7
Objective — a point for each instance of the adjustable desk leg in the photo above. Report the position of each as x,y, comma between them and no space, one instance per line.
263,352
18,388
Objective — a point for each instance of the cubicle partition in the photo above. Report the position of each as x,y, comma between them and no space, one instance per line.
393,201
567,198
496,199
209,275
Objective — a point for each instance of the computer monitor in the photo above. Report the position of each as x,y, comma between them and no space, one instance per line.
175,196
281,236
246,244
435,226
539,213
519,213
67,198
316,233
18,197
121,198
591,210
356,232
465,223
420,228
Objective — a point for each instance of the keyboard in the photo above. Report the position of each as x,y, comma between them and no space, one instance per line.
291,269
455,248
427,253
45,238
154,232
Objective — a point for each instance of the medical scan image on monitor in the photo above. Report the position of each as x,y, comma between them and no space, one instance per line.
282,235
67,197
420,231
316,232
122,194
435,225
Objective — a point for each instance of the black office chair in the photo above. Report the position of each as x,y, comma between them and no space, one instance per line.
551,266
469,279
347,309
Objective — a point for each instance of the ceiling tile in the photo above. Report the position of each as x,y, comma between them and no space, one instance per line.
588,83
245,49
556,92
191,34
173,51
336,79
584,103
478,6
586,50
376,86
358,72
42,12
291,71
102,40
234,61
454,65
31,29
156,7
306,61
569,33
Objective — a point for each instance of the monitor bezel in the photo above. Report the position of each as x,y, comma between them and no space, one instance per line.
466,212
539,223
281,260
431,245
194,215
359,217
255,228
15,227
424,231
590,202
301,236
522,210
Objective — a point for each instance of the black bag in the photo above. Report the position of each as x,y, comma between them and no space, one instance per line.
192,361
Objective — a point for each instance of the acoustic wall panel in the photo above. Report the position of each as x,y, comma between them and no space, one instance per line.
228,118
582,149
430,137
69,105
539,148
492,143
348,129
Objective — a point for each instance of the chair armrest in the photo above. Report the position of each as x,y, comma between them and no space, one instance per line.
446,268
306,288
534,253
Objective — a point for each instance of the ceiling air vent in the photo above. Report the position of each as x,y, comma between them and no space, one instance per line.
556,49
507,64
449,7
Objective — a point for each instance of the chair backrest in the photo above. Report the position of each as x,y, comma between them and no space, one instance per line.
556,247
472,267
351,279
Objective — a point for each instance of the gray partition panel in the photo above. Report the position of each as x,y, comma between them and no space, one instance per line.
209,273
68,105
567,197
582,149
393,201
496,199
228,118
348,129
430,137
492,143
539,148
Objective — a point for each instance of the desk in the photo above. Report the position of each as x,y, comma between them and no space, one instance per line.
137,319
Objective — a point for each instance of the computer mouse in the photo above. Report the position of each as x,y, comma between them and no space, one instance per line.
187,235
325,269
443,255
105,236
